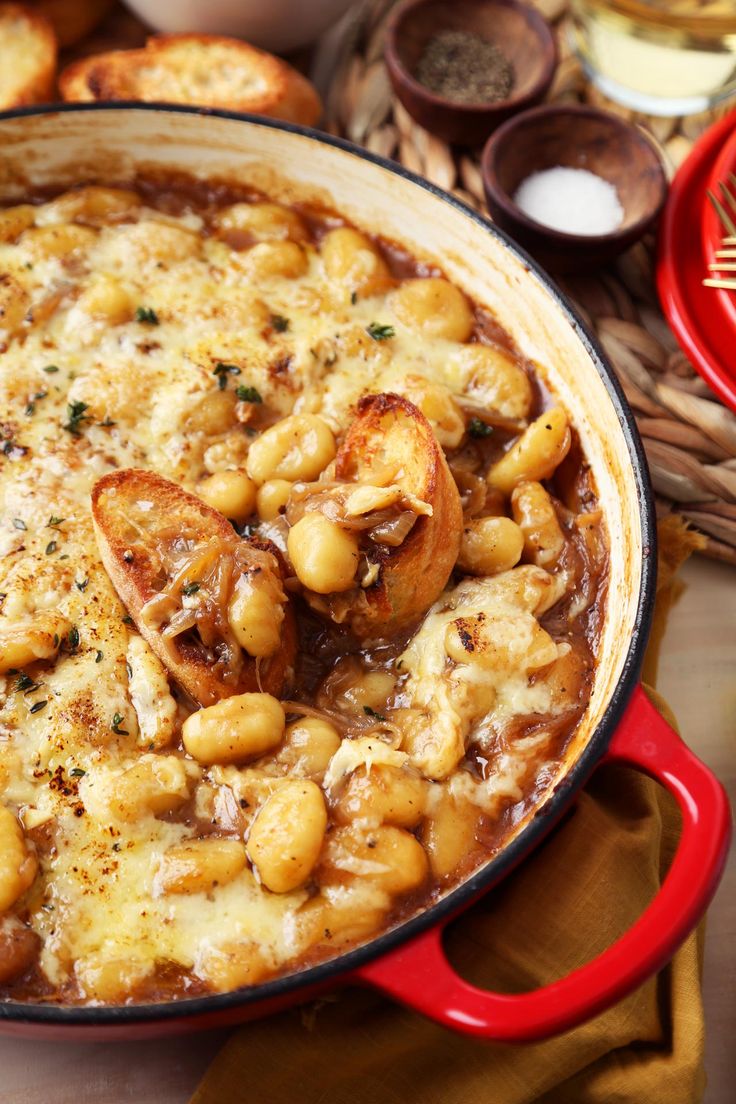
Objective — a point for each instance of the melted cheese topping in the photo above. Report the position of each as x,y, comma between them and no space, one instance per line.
501,643
88,745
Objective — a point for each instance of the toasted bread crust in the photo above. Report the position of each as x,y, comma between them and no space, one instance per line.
390,428
133,579
166,70
73,80
27,57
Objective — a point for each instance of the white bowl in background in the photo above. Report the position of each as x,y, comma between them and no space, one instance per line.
279,25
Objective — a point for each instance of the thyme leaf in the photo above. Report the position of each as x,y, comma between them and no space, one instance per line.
477,428
380,332
372,713
248,394
76,415
222,371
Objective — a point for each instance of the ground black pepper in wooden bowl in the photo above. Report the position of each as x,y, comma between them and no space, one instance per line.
465,68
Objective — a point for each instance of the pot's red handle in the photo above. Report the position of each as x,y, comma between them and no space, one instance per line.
420,975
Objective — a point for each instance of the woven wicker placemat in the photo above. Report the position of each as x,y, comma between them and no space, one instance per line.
690,437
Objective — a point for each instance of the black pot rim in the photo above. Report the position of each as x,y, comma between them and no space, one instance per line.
341,967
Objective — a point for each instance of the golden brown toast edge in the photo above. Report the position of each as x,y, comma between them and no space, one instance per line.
414,574
132,583
113,76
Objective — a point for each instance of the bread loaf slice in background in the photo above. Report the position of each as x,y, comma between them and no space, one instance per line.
27,57
202,70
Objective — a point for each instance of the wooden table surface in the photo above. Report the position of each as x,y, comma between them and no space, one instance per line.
697,675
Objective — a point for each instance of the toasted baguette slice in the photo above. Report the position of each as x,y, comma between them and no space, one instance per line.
206,70
391,435
27,57
167,554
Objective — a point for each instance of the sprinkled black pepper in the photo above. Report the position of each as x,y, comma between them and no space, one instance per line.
465,67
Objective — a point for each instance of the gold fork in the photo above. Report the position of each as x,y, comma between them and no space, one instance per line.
726,256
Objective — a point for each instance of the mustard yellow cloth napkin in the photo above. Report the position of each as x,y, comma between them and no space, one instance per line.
566,903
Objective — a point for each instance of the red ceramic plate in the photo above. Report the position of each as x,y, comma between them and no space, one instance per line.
702,325
712,230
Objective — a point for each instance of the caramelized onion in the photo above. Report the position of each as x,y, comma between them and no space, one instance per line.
181,621
158,609
360,724
388,526
393,531
200,579
194,563
473,489
328,715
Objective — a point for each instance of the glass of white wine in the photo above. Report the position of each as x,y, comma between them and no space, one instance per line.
661,57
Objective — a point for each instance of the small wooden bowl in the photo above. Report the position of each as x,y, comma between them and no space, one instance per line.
575,137
518,30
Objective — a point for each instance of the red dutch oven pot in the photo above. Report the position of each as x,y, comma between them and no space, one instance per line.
110,143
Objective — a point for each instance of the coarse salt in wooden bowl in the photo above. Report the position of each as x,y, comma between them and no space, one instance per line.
516,29
578,137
